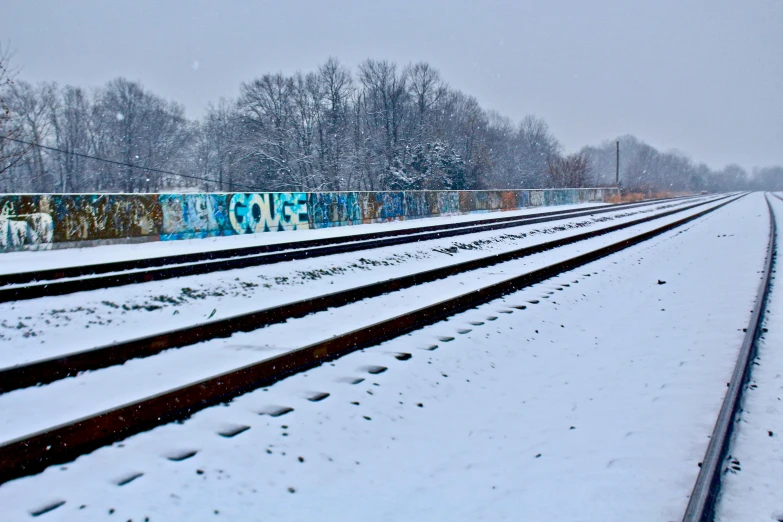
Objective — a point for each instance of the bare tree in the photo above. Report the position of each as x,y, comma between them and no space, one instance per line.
334,133
69,116
385,127
141,131
567,171
265,107
500,139
384,99
308,98
466,131
219,144
32,106
11,152
427,91
534,145
768,178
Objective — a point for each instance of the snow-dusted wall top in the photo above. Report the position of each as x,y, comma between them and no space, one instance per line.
31,221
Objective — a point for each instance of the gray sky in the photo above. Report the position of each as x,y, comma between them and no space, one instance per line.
705,77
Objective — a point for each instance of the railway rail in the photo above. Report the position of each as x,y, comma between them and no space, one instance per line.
62,281
52,369
702,502
34,452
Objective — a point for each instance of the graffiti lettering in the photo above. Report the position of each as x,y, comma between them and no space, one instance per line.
253,213
44,221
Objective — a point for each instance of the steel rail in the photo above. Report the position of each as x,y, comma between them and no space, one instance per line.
703,498
51,369
33,453
201,263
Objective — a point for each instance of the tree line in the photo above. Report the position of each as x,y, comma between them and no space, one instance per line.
380,127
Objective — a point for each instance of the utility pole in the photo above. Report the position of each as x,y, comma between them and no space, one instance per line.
617,172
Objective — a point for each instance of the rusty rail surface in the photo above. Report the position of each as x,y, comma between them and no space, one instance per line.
33,453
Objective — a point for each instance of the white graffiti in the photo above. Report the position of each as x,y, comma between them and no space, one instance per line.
25,230
252,213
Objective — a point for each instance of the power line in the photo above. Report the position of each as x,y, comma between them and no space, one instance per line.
152,169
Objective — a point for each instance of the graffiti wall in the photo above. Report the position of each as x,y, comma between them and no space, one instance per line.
105,217
30,221
189,216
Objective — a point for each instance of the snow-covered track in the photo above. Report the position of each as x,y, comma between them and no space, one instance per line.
49,370
701,506
62,281
32,453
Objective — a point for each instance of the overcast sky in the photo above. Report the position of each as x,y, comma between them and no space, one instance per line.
705,77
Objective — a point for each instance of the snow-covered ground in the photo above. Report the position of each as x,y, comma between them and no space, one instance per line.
753,490
93,392
41,328
593,403
29,261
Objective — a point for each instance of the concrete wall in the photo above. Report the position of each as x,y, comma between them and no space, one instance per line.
44,221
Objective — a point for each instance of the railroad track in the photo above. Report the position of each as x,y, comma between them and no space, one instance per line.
55,368
62,281
703,499
34,452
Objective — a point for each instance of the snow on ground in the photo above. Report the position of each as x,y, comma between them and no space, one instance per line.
93,392
40,328
594,404
755,490
30,261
